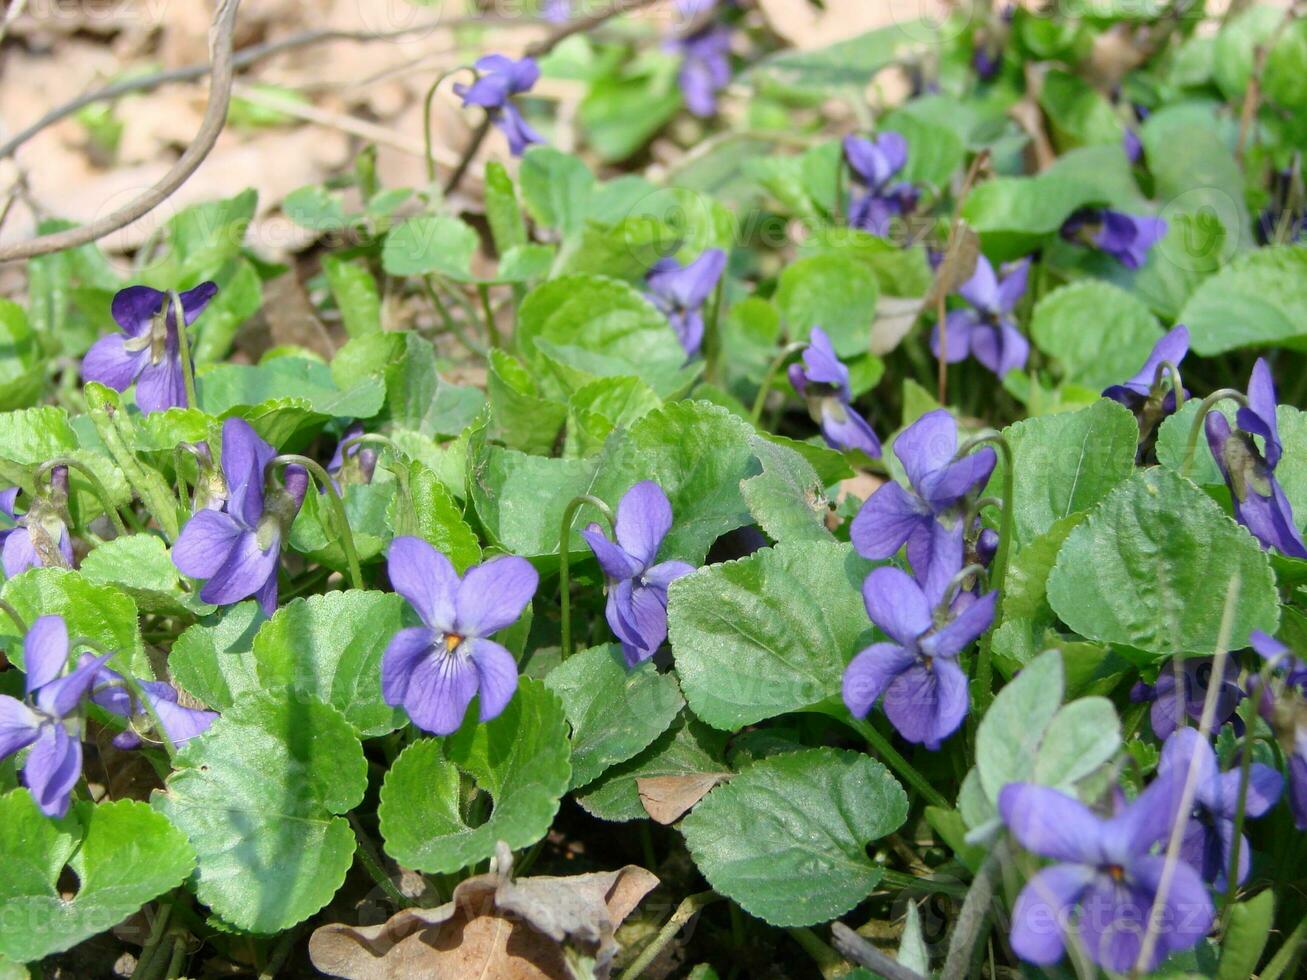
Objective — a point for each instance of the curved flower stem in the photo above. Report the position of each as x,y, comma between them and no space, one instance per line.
891,757
829,963
323,480
689,907
448,318
368,857
984,684
15,615
1177,384
178,958
894,878
106,501
157,932
1288,952
427,102
492,329
184,350
138,695
954,585
1245,775
712,335
1208,403
759,403
565,556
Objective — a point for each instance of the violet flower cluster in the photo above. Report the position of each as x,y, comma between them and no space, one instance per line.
433,671
929,617
938,485
680,293
499,79
875,164
236,547
147,352
1101,890
48,721
923,687
1109,870
986,329
823,380
636,581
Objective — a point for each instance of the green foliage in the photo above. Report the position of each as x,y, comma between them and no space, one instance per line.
787,837
260,798
520,760
123,854
1150,569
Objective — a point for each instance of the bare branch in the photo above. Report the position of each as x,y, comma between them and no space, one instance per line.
242,59
215,116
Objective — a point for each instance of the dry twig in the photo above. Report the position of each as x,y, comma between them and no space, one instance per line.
215,117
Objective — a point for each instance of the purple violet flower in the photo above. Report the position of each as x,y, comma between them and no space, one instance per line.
19,549
706,57
501,78
1105,871
237,548
986,62
1171,705
874,165
637,587
1209,833
181,723
986,329
54,763
824,381
1259,502
893,516
1137,392
925,691
1125,237
680,293
434,670
146,352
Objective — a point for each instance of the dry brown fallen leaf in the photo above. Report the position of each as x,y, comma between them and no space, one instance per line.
666,798
494,927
